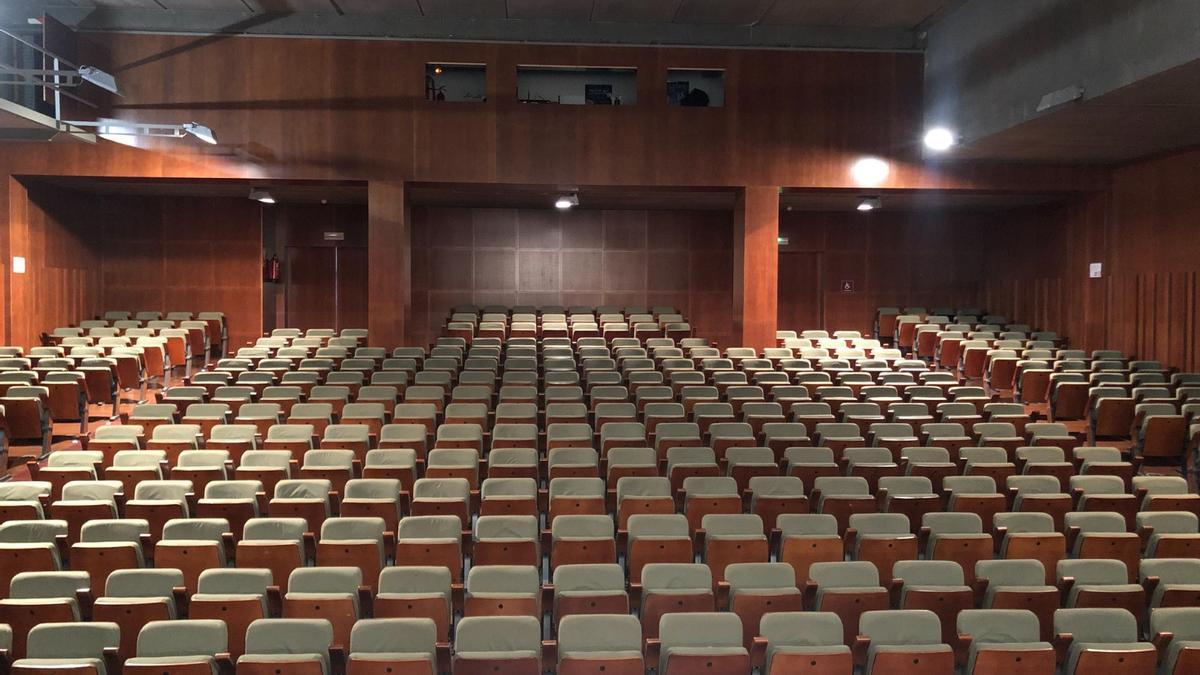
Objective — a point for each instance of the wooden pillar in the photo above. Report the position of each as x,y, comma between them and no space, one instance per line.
389,295
756,266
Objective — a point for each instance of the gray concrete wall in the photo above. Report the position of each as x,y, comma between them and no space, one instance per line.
989,62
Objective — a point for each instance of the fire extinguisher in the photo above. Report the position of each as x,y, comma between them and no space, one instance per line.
271,272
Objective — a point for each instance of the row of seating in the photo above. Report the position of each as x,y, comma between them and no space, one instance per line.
983,642
560,309
1113,393
498,494
992,641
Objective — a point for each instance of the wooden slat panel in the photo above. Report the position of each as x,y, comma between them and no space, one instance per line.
543,257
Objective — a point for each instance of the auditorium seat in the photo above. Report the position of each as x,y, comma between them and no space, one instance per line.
710,640
302,646
416,591
1092,640
605,641
892,641
193,545
847,589
486,644
1003,641
87,648
41,597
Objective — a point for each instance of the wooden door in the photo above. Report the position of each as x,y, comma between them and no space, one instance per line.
326,287
311,278
351,287
800,291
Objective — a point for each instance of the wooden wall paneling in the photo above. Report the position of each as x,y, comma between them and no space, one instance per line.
389,298
800,290
86,254
316,109
890,257
756,266
311,274
61,278
353,286
212,261
19,329
581,257
306,224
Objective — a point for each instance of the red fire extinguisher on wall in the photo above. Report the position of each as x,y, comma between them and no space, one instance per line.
271,269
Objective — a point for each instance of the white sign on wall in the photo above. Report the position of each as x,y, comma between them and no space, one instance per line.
1096,270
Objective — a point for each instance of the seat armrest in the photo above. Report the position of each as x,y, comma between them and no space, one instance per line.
389,546
758,653
180,595
112,660
1062,645
1150,584
809,595
549,655
850,541
229,543
961,646
224,663
1072,537
457,595
337,659
1144,532
923,536
895,591
274,602
1064,588
310,547
979,586
1161,642
443,657
859,650
881,495
366,601
652,651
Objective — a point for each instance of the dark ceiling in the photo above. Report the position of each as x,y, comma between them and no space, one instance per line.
859,13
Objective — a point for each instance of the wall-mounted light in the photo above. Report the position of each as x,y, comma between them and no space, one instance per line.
566,201
123,131
870,171
18,264
869,204
261,195
437,70
940,139
200,131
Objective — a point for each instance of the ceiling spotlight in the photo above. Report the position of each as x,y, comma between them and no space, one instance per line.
870,171
116,129
200,131
939,139
99,78
566,201
869,204
64,74
261,195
